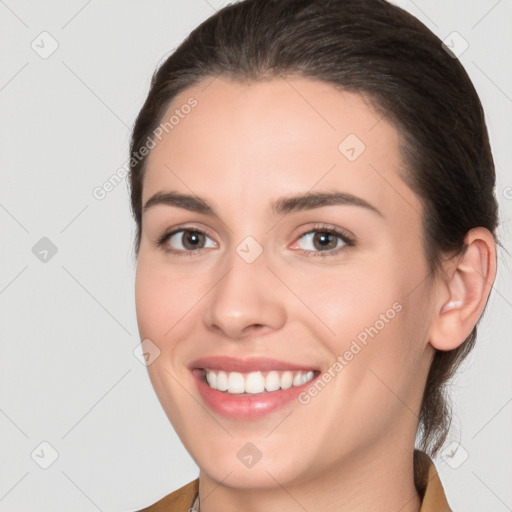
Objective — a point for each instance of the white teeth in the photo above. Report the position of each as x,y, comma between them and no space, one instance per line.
287,380
272,381
236,382
307,376
222,381
297,380
211,377
256,382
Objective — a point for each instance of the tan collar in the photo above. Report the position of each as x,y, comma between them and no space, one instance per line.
434,498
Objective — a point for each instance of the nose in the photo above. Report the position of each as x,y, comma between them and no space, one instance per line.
247,299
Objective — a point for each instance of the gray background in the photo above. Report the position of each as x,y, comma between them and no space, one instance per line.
68,374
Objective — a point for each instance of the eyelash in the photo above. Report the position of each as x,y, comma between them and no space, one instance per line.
347,239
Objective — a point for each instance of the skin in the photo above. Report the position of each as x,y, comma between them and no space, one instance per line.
243,146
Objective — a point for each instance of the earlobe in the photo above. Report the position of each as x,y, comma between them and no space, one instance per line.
464,291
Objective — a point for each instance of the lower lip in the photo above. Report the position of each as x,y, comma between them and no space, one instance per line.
246,406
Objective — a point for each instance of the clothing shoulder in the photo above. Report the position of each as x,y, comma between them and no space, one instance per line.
429,485
180,500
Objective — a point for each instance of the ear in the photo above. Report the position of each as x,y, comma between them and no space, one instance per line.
463,290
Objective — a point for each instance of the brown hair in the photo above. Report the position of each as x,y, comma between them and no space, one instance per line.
373,48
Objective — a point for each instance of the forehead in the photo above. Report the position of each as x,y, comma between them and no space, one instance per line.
244,143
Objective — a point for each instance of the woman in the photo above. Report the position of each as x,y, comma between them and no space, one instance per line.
313,189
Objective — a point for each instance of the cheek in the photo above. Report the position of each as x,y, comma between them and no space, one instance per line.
375,320
162,298
350,300
156,301
149,298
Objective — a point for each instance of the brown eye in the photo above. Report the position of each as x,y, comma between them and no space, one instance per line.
321,240
191,239
186,241
324,240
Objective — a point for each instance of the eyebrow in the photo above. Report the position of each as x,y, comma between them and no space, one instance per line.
282,205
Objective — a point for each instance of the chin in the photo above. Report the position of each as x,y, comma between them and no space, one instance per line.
242,465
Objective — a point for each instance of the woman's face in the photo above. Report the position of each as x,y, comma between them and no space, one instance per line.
263,292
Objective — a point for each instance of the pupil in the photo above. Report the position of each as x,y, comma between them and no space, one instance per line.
324,239
192,239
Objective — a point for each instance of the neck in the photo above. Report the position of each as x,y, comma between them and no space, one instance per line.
370,481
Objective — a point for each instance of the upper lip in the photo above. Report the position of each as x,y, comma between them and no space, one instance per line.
231,364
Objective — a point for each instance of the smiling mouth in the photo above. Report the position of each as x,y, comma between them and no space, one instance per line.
255,382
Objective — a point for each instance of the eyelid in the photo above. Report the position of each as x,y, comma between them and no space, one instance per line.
347,238
327,228
161,240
